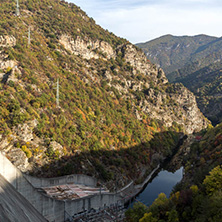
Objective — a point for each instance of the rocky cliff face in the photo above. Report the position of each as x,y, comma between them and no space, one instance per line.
87,48
194,61
174,104
7,41
150,94
166,102
185,112
112,99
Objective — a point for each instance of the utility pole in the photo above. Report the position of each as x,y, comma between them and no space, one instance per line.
29,36
57,93
17,9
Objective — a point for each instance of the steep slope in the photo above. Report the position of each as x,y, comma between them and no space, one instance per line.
202,57
194,61
116,108
198,197
14,207
173,52
206,85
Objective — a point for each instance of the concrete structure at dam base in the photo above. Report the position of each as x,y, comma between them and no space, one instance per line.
51,205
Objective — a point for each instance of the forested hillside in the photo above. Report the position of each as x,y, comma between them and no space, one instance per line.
173,53
196,62
198,197
116,109
206,84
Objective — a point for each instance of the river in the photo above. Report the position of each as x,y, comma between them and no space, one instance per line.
162,183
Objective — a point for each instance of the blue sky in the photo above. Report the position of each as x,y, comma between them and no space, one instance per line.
143,20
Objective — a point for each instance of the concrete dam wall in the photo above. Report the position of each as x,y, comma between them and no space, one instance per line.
14,207
73,178
52,209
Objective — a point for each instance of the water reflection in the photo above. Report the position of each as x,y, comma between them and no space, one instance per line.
162,183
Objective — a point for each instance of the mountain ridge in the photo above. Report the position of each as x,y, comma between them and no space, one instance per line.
113,101
178,50
193,67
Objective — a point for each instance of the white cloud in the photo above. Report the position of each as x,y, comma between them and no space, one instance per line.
142,20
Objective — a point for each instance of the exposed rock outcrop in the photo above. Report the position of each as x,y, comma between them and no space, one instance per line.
25,150
6,63
57,148
136,59
91,67
185,112
7,41
24,131
87,48
170,103
19,159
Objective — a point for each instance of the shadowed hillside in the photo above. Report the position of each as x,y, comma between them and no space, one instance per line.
196,62
109,97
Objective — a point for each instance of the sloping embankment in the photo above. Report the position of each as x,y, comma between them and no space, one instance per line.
14,207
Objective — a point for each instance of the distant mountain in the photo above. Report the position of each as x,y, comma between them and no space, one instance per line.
174,52
196,62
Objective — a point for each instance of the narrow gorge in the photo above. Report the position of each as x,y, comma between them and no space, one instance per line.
85,117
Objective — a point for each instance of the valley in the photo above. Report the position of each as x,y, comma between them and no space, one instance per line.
86,118
197,197
116,110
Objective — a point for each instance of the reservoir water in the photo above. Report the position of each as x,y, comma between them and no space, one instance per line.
162,183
